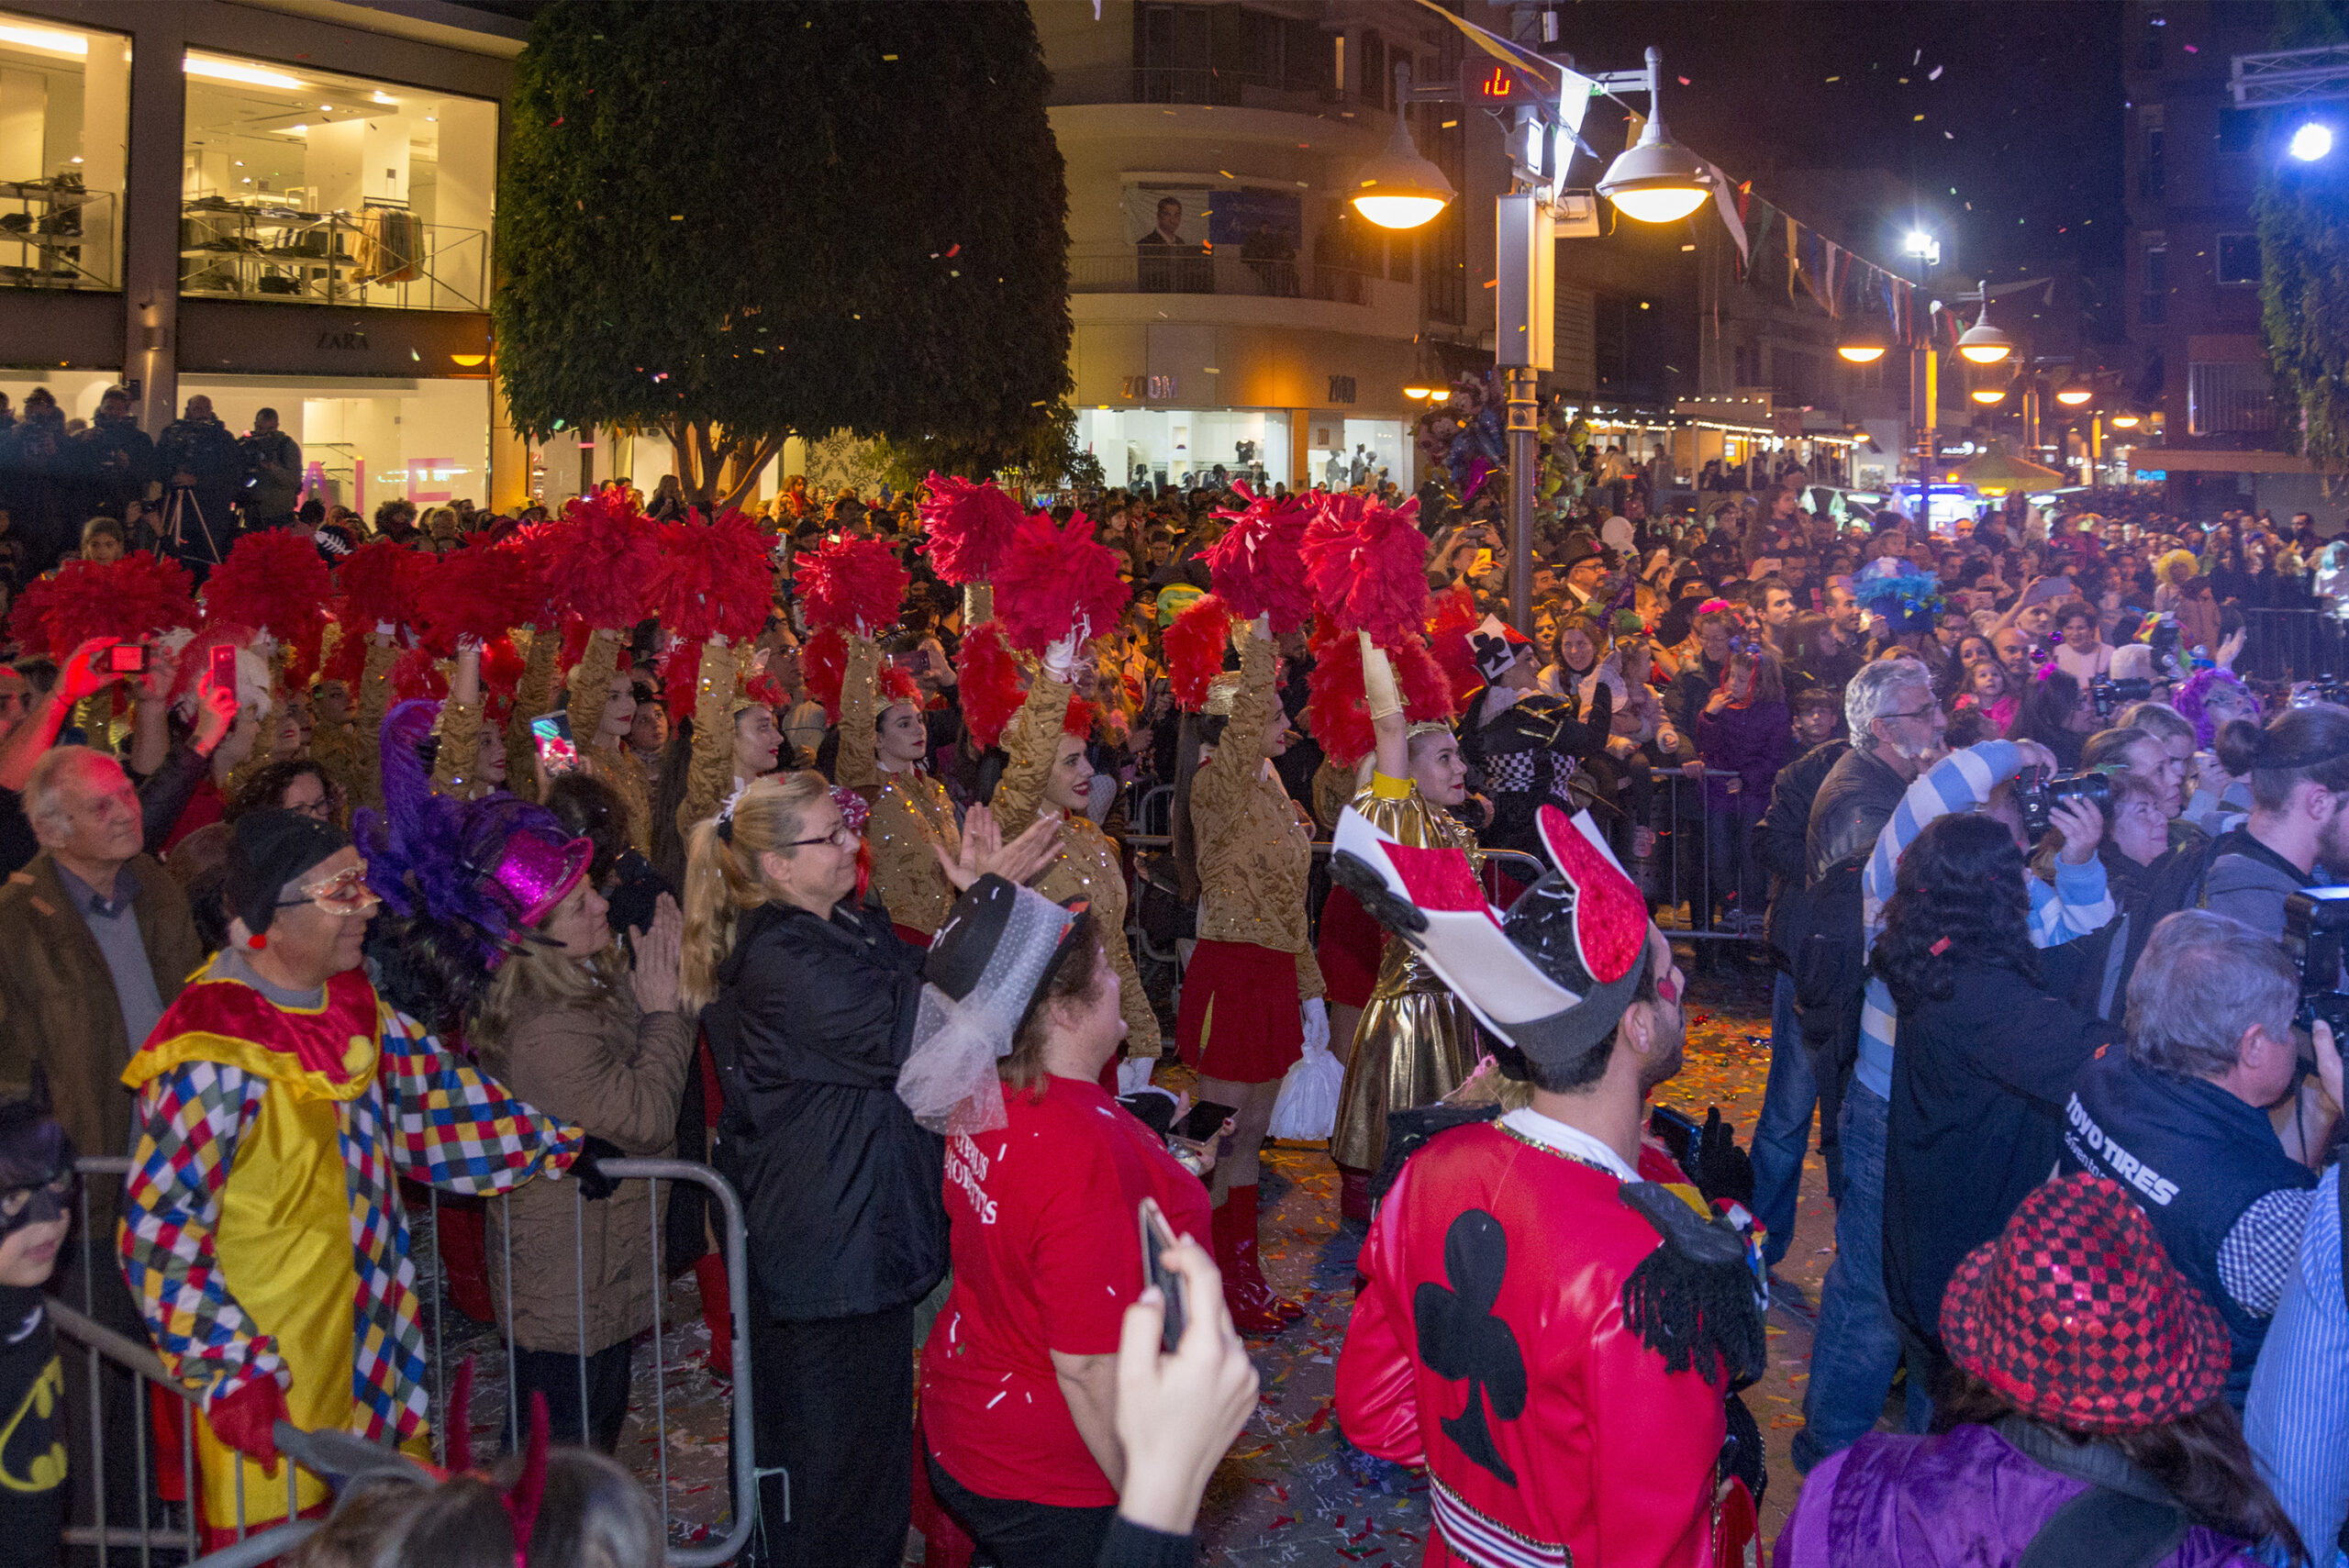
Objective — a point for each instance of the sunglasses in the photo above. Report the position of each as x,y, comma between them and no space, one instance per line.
344,894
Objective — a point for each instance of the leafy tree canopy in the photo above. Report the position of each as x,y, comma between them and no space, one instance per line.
2303,215
731,222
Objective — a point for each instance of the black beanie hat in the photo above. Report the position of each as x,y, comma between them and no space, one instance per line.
268,849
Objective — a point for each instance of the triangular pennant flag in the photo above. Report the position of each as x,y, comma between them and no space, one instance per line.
1732,219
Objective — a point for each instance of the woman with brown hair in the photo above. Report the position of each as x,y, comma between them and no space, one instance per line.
1251,989
884,755
1045,1176
809,999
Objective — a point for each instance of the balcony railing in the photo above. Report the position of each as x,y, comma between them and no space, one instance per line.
55,235
1174,85
381,256
1174,269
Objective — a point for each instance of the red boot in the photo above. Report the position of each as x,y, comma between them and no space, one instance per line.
1354,1194
1255,1309
717,1312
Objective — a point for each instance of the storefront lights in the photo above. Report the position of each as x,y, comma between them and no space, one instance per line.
46,40
230,71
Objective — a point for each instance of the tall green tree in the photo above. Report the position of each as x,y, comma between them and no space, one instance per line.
735,222
2302,210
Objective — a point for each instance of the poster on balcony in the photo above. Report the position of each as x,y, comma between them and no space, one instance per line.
1168,229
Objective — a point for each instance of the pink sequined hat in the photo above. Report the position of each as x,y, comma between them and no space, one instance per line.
538,872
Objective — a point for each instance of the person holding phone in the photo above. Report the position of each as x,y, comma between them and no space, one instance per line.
1045,1177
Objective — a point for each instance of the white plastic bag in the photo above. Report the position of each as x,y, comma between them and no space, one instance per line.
1307,1108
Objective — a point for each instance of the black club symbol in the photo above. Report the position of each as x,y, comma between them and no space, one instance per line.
1460,1338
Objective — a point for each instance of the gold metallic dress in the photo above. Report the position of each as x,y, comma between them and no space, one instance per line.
911,810
1417,1041
1088,866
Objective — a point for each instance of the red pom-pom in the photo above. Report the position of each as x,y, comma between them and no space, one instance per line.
502,668
276,581
853,585
764,689
602,558
1194,646
1054,577
1451,616
479,590
377,583
1335,709
988,681
1368,565
1078,721
823,666
969,526
899,686
132,599
713,579
415,675
681,673
1259,564
1425,686
576,636
534,545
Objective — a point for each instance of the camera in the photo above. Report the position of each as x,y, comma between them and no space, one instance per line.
2037,793
2109,694
2323,689
2316,922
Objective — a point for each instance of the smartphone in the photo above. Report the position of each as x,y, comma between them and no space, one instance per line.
915,663
1484,564
1206,1121
1156,1237
1678,1133
127,658
550,733
224,667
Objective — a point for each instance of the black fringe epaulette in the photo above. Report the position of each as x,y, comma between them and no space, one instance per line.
1691,1300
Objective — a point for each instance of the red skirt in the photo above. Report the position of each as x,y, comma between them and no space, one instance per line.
1349,948
1240,1019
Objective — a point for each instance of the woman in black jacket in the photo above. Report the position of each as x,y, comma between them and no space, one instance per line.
810,999
1983,1060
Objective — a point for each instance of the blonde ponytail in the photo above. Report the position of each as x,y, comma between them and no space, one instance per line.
722,877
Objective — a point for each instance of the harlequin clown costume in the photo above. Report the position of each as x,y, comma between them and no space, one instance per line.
1549,1334
261,1232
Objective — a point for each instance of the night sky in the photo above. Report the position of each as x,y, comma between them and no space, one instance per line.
2024,119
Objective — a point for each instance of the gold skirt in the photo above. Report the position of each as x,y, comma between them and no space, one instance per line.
1409,1049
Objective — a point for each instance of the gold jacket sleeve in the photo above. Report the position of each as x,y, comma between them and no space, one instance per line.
860,709
1030,739
709,778
530,700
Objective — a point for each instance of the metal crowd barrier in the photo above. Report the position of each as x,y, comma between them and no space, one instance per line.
2291,645
179,1539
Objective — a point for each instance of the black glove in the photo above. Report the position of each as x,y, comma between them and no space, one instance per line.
1723,1170
596,1186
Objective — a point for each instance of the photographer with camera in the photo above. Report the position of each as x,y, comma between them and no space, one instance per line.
1858,1346
2298,768
2198,1118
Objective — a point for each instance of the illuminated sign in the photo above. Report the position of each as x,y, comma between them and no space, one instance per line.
1496,85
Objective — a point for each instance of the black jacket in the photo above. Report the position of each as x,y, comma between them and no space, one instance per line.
115,459
1855,801
1976,1120
1786,823
841,1187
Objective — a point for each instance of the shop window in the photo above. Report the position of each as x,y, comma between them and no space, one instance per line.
65,137
2228,399
2238,260
366,442
303,186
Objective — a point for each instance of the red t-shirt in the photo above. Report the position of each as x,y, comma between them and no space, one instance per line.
1047,1257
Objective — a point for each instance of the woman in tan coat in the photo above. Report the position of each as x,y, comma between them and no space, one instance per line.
572,1029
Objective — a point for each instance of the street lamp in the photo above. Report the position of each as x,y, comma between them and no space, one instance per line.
2074,394
1862,347
1656,180
2311,142
1985,344
2125,421
1989,396
1399,189
1923,247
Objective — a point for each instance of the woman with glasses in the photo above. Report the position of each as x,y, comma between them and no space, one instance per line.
810,997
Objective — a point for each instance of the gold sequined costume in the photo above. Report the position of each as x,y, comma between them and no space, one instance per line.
591,688
1088,866
910,811
1253,849
709,776
1417,1041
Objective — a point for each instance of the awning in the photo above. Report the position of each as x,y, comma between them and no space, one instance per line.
1997,471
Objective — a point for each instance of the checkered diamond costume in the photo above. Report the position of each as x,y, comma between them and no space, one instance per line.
263,1233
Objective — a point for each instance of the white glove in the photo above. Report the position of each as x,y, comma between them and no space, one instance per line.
1316,1024
1133,1073
1379,692
1059,656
